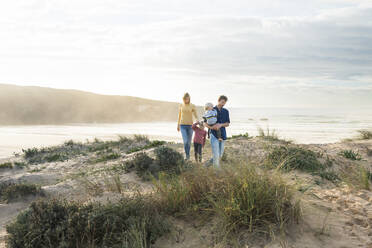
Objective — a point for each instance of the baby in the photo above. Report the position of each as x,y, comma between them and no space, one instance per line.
210,117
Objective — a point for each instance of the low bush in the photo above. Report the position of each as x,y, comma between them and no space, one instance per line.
166,160
133,223
238,196
292,157
6,165
350,154
245,135
11,191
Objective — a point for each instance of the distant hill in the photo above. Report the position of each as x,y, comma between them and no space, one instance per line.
38,105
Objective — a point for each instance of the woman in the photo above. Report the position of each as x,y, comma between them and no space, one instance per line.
185,120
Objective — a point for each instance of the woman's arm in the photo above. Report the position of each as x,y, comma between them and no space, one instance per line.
179,118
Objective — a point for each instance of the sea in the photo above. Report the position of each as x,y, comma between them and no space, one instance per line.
301,125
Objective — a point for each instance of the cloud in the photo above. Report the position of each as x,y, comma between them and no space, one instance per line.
298,46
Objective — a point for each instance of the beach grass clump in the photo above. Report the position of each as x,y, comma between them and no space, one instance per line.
365,134
294,158
13,191
133,222
270,135
6,165
105,157
166,160
239,197
350,154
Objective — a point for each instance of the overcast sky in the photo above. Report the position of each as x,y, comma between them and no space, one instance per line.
258,52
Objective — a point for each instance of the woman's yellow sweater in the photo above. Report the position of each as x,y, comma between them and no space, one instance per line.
186,113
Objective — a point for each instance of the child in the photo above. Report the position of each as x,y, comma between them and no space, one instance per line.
210,117
199,139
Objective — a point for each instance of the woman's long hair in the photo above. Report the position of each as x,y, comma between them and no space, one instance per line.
185,97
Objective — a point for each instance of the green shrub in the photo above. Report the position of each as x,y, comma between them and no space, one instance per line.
132,222
166,160
6,165
11,191
245,135
140,163
350,154
238,196
291,158
169,159
20,165
365,134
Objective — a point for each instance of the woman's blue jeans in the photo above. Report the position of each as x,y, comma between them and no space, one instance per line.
186,132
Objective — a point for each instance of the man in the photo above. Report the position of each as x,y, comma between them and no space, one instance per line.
223,121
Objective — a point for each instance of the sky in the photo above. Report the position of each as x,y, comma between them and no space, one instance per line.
260,53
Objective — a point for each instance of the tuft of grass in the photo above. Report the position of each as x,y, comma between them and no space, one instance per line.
365,134
244,135
20,165
292,158
365,178
238,196
6,165
270,135
350,154
328,175
105,158
11,191
133,222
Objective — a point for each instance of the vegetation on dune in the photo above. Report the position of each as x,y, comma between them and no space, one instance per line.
238,196
270,135
243,135
133,222
11,191
105,150
294,157
166,160
365,134
350,154
6,165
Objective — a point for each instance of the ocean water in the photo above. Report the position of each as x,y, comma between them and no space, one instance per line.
300,125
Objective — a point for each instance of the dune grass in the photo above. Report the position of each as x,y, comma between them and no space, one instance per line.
238,196
294,158
350,154
6,165
131,223
11,191
365,134
71,149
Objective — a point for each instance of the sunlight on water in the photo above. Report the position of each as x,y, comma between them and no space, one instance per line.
302,126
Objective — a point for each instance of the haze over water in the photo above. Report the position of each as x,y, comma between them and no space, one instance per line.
300,125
